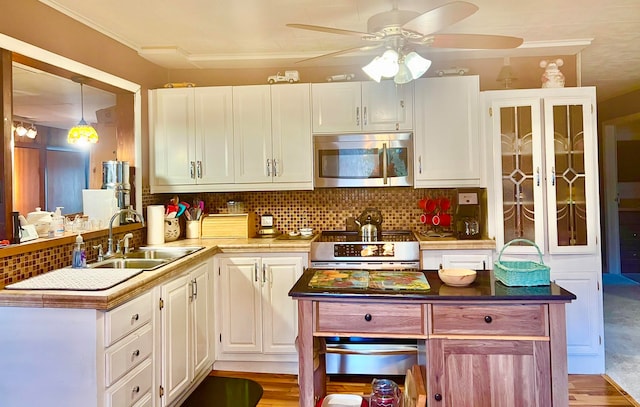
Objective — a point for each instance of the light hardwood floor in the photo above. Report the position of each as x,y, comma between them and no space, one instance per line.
282,390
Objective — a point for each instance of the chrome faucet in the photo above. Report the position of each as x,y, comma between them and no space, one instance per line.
110,251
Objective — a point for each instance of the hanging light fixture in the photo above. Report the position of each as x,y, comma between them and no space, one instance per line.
82,133
21,130
394,64
32,131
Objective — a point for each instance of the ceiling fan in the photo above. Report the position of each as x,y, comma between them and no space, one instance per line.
407,30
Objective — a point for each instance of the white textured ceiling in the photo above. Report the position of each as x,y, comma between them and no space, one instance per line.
231,33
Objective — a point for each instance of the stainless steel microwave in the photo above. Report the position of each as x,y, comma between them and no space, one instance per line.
363,160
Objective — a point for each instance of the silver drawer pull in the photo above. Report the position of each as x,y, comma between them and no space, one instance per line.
135,317
136,389
136,353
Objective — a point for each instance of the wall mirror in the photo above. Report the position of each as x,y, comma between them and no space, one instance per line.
47,98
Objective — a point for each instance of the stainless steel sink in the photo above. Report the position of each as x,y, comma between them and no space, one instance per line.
120,263
164,253
146,258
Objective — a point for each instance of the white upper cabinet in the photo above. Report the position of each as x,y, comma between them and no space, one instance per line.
191,137
447,137
272,135
347,107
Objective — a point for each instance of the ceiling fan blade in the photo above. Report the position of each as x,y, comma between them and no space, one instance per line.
328,29
344,51
472,41
441,17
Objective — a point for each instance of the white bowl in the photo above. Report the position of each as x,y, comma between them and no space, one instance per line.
457,277
306,231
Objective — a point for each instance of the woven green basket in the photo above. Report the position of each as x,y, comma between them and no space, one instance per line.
519,273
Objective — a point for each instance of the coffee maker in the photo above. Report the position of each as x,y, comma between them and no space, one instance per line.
468,215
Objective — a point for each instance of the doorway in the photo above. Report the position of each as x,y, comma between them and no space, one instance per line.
621,200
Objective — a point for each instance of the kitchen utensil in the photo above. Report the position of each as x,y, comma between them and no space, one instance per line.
368,230
370,215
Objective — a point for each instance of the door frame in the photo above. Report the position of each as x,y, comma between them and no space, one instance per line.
610,200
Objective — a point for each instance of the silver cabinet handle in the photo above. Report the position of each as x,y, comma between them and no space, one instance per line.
264,273
364,115
192,169
199,169
553,176
358,116
538,176
194,288
275,167
268,167
135,389
420,164
255,272
135,353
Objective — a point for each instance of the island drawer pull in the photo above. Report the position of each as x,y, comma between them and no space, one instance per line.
488,319
368,317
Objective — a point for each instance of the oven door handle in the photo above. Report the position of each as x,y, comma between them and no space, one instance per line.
382,350
384,163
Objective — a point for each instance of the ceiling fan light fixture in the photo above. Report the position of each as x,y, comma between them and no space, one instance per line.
404,75
373,70
416,64
82,133
389,63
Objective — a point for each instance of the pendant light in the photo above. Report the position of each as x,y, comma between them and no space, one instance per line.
82,133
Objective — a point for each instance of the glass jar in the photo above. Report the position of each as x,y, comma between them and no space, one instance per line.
384,393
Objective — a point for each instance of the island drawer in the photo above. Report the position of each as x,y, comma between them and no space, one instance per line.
337,317
511,320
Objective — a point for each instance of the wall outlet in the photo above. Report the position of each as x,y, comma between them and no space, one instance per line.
468,198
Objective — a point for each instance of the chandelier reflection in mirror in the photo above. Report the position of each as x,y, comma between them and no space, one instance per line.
82,133
21,130
403,68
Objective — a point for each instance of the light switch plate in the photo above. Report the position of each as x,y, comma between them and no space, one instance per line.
467,198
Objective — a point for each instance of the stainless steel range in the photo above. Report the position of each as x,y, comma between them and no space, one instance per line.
394,250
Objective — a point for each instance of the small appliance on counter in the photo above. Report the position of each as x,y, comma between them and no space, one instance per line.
468,216
266,226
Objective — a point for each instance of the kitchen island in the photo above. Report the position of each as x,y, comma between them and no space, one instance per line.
482,345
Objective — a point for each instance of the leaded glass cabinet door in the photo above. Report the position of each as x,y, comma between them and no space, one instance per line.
521,204
571,152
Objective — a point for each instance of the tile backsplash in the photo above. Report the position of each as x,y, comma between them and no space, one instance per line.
327,208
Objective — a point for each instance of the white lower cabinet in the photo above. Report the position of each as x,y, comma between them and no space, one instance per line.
186,319
474,259
78,357
256,320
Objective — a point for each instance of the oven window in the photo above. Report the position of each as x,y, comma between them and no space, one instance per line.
355,163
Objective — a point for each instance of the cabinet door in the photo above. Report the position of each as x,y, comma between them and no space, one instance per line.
240,305
488,373
252,133
518,172
571,173
291,134
584,318
387,106
172,137
446,132
280,312
202,316
214,135
336,107
177,365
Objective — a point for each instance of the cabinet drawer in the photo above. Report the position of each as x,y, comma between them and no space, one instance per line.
512,320
338,317
132,387
127,318
128,353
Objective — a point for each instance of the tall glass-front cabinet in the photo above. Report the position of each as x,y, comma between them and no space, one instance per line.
545,182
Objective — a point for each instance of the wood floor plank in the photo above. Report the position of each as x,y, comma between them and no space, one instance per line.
281,390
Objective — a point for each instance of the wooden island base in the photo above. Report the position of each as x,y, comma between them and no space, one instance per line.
496,346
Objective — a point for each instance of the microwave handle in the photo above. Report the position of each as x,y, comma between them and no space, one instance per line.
384,163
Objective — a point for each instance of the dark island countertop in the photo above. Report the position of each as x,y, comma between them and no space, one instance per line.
484,288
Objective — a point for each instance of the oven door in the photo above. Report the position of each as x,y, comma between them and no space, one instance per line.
363,356
366,160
